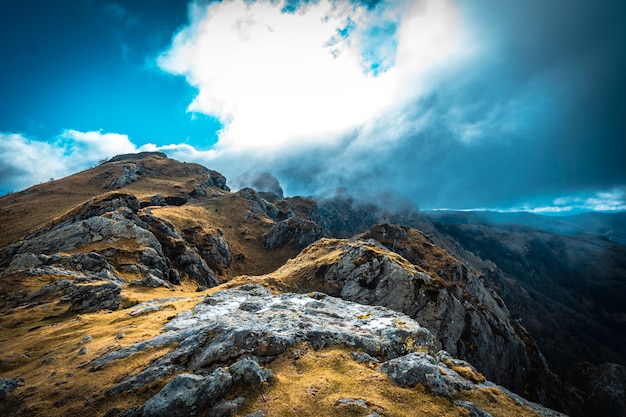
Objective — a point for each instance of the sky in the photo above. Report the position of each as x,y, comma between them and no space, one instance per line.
481,104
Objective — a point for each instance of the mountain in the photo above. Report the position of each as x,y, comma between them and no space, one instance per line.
611,226
145,287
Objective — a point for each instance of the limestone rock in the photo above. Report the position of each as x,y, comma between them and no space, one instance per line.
129,174
220,332
249,372
473,409
227,408
183,257
417,368
258,207
466,320
211,245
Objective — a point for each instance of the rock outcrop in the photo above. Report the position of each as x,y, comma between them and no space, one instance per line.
235,330
465,318
158,249
295,232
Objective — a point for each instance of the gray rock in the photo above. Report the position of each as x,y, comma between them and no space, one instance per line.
366,274
8,385
183,257
364,358
157,200
259,413
215,179
211,245
461,313
295,232
417,368
152,281
227,408
474,410
177,399
128,175
249,372
358,402
218,331
83,350
213,388
91,298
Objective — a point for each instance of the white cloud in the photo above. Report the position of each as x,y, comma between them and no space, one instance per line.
613,200
284,81
24,161
95,145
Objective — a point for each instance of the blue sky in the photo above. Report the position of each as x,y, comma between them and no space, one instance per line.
451,104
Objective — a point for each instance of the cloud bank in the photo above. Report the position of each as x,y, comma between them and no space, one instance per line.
25,162
457,105
452,104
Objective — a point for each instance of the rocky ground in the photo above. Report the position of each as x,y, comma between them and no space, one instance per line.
163,293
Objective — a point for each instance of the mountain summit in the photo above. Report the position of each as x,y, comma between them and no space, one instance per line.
146,287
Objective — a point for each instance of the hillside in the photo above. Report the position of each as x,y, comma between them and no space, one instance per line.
145,287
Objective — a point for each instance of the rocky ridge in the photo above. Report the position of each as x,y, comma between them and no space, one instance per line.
225,338
366,294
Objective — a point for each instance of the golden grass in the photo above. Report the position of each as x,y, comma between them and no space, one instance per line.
314,383
311,383
26,211
31,335
244,237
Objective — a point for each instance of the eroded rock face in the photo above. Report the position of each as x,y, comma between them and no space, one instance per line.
295,232
469,325
160,252
182,256
89,298
212,246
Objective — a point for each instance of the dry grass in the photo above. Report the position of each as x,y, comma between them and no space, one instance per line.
31,335
245,237
312,383
28,210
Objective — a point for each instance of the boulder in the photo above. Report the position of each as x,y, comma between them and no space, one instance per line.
176,399
248,371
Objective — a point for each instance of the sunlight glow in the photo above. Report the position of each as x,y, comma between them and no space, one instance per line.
287,79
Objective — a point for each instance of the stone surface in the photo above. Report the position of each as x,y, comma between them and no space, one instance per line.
177,399
295,232
219,332
90,298
461,313
249,372
7,385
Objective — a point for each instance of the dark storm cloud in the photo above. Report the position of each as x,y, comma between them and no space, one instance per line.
539,113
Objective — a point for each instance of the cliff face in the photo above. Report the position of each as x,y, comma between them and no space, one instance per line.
181,297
